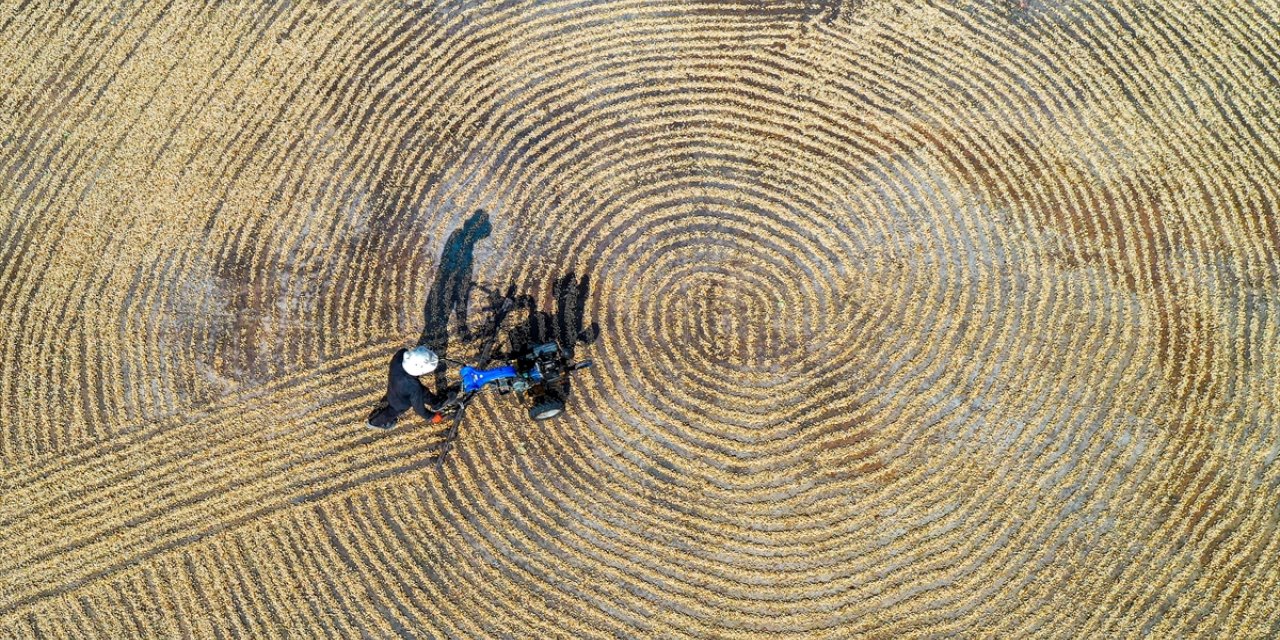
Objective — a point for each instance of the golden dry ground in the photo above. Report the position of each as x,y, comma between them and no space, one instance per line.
919,319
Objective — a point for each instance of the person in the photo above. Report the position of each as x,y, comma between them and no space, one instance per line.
404,391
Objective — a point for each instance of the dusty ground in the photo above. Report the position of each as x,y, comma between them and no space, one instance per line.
918,319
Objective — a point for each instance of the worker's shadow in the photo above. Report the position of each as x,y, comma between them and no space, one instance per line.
451,290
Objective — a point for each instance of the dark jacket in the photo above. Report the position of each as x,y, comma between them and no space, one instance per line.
404,391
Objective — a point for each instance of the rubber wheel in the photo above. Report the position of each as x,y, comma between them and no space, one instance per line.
547,409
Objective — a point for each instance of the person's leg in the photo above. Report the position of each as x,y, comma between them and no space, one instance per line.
383,416
378,406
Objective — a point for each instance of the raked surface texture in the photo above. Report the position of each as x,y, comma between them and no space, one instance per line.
917,319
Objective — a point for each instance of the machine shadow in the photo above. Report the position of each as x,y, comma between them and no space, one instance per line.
563,325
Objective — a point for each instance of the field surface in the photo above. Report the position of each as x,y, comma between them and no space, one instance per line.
916,319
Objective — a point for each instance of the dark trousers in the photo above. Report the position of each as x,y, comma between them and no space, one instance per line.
383,415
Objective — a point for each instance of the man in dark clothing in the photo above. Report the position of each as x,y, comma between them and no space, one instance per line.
404,391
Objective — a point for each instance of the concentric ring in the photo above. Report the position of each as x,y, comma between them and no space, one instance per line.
925,319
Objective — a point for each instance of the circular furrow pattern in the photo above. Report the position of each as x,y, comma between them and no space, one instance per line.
916,319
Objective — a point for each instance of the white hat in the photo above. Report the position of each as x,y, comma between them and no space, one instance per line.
420,361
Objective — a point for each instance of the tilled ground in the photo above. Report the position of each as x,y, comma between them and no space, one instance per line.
916,318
